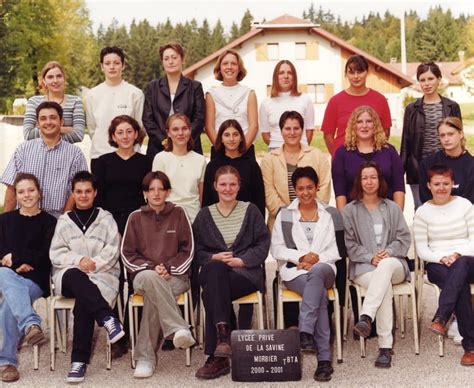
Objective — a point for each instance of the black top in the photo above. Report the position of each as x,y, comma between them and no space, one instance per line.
463,168
251,185
119,182
83,218
28,240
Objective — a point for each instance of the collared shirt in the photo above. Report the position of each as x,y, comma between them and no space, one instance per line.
54,167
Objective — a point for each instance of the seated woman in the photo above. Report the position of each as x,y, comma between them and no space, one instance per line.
25,237
230,150
157,249
304,244
84,253
184,167
365,140
453,155
444,238
279,165
232,243
377,240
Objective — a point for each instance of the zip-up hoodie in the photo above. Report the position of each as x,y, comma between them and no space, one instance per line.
164,238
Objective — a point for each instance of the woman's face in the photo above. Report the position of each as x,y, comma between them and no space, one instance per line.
27,194
285,78
365,127
125,136
369,180
440,187
54,81
231,139
179,132
172,61
227,187
230,68
451,139
357,78
292,132
112,67
306,190
84,195
156,194
429,83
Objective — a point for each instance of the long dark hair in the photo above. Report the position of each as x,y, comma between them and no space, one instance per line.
358,193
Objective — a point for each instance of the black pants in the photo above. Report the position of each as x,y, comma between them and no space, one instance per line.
455,295
220,286
90,306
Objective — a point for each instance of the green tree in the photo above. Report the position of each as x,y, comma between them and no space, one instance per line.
218,37
234,32
246,23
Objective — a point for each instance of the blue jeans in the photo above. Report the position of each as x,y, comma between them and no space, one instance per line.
16,313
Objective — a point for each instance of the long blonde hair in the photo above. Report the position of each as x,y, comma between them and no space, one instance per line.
350,141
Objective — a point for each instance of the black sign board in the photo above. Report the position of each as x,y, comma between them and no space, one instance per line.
266,355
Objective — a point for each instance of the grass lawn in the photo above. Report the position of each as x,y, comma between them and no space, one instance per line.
467,110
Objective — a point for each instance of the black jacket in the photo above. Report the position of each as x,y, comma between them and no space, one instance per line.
413,134
189,100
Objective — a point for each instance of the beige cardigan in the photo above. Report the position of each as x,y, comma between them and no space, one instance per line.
275,177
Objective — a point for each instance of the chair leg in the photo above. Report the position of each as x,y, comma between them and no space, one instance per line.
402,316
131,322
261,325
415,322
52,338
187,307
35,357
346,312
337,317
108,354
361,339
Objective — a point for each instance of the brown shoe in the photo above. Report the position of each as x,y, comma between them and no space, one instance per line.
468,359
10,374
223,348
34,335
213,368
438,327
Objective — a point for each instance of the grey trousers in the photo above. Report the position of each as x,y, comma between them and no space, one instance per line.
314,318
161,315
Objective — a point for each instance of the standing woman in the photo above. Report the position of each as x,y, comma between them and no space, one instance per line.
53,81
230,150
284,96
120,174
340,106
365,140
172,93
377,240
420,122
231,100
279,165
231,244
184,167
25,237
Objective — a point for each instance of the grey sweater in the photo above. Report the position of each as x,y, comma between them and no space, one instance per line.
251,244
360,236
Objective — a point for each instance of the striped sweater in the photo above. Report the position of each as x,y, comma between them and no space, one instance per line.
441,230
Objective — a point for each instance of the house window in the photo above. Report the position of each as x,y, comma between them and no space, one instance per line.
300,52
317,93
272,52
267,51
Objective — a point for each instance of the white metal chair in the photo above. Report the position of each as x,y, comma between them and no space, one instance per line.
286,295
136,301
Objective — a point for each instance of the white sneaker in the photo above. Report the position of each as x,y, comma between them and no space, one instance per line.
183,339
453,330
457,340
143,369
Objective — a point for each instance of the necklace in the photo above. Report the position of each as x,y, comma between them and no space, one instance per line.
229,213
60,102
313,218
84,226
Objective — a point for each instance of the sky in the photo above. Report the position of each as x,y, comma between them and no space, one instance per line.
157,11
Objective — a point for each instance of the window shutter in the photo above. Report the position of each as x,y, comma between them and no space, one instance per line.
329,91
303,88
312,50
261,52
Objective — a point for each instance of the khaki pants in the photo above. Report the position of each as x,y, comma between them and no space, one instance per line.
378,299
161,315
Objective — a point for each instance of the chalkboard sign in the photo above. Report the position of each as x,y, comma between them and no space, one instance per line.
266,355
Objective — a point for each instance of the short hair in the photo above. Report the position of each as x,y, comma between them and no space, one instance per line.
49,105
440,169
116,121
350,140
151,176
112,50
227,169
304,172
217,66
275,92
52,65
24,176
230,123
358,193
291,115
456,123
356,62
169,121
173,46
83,176
423,67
